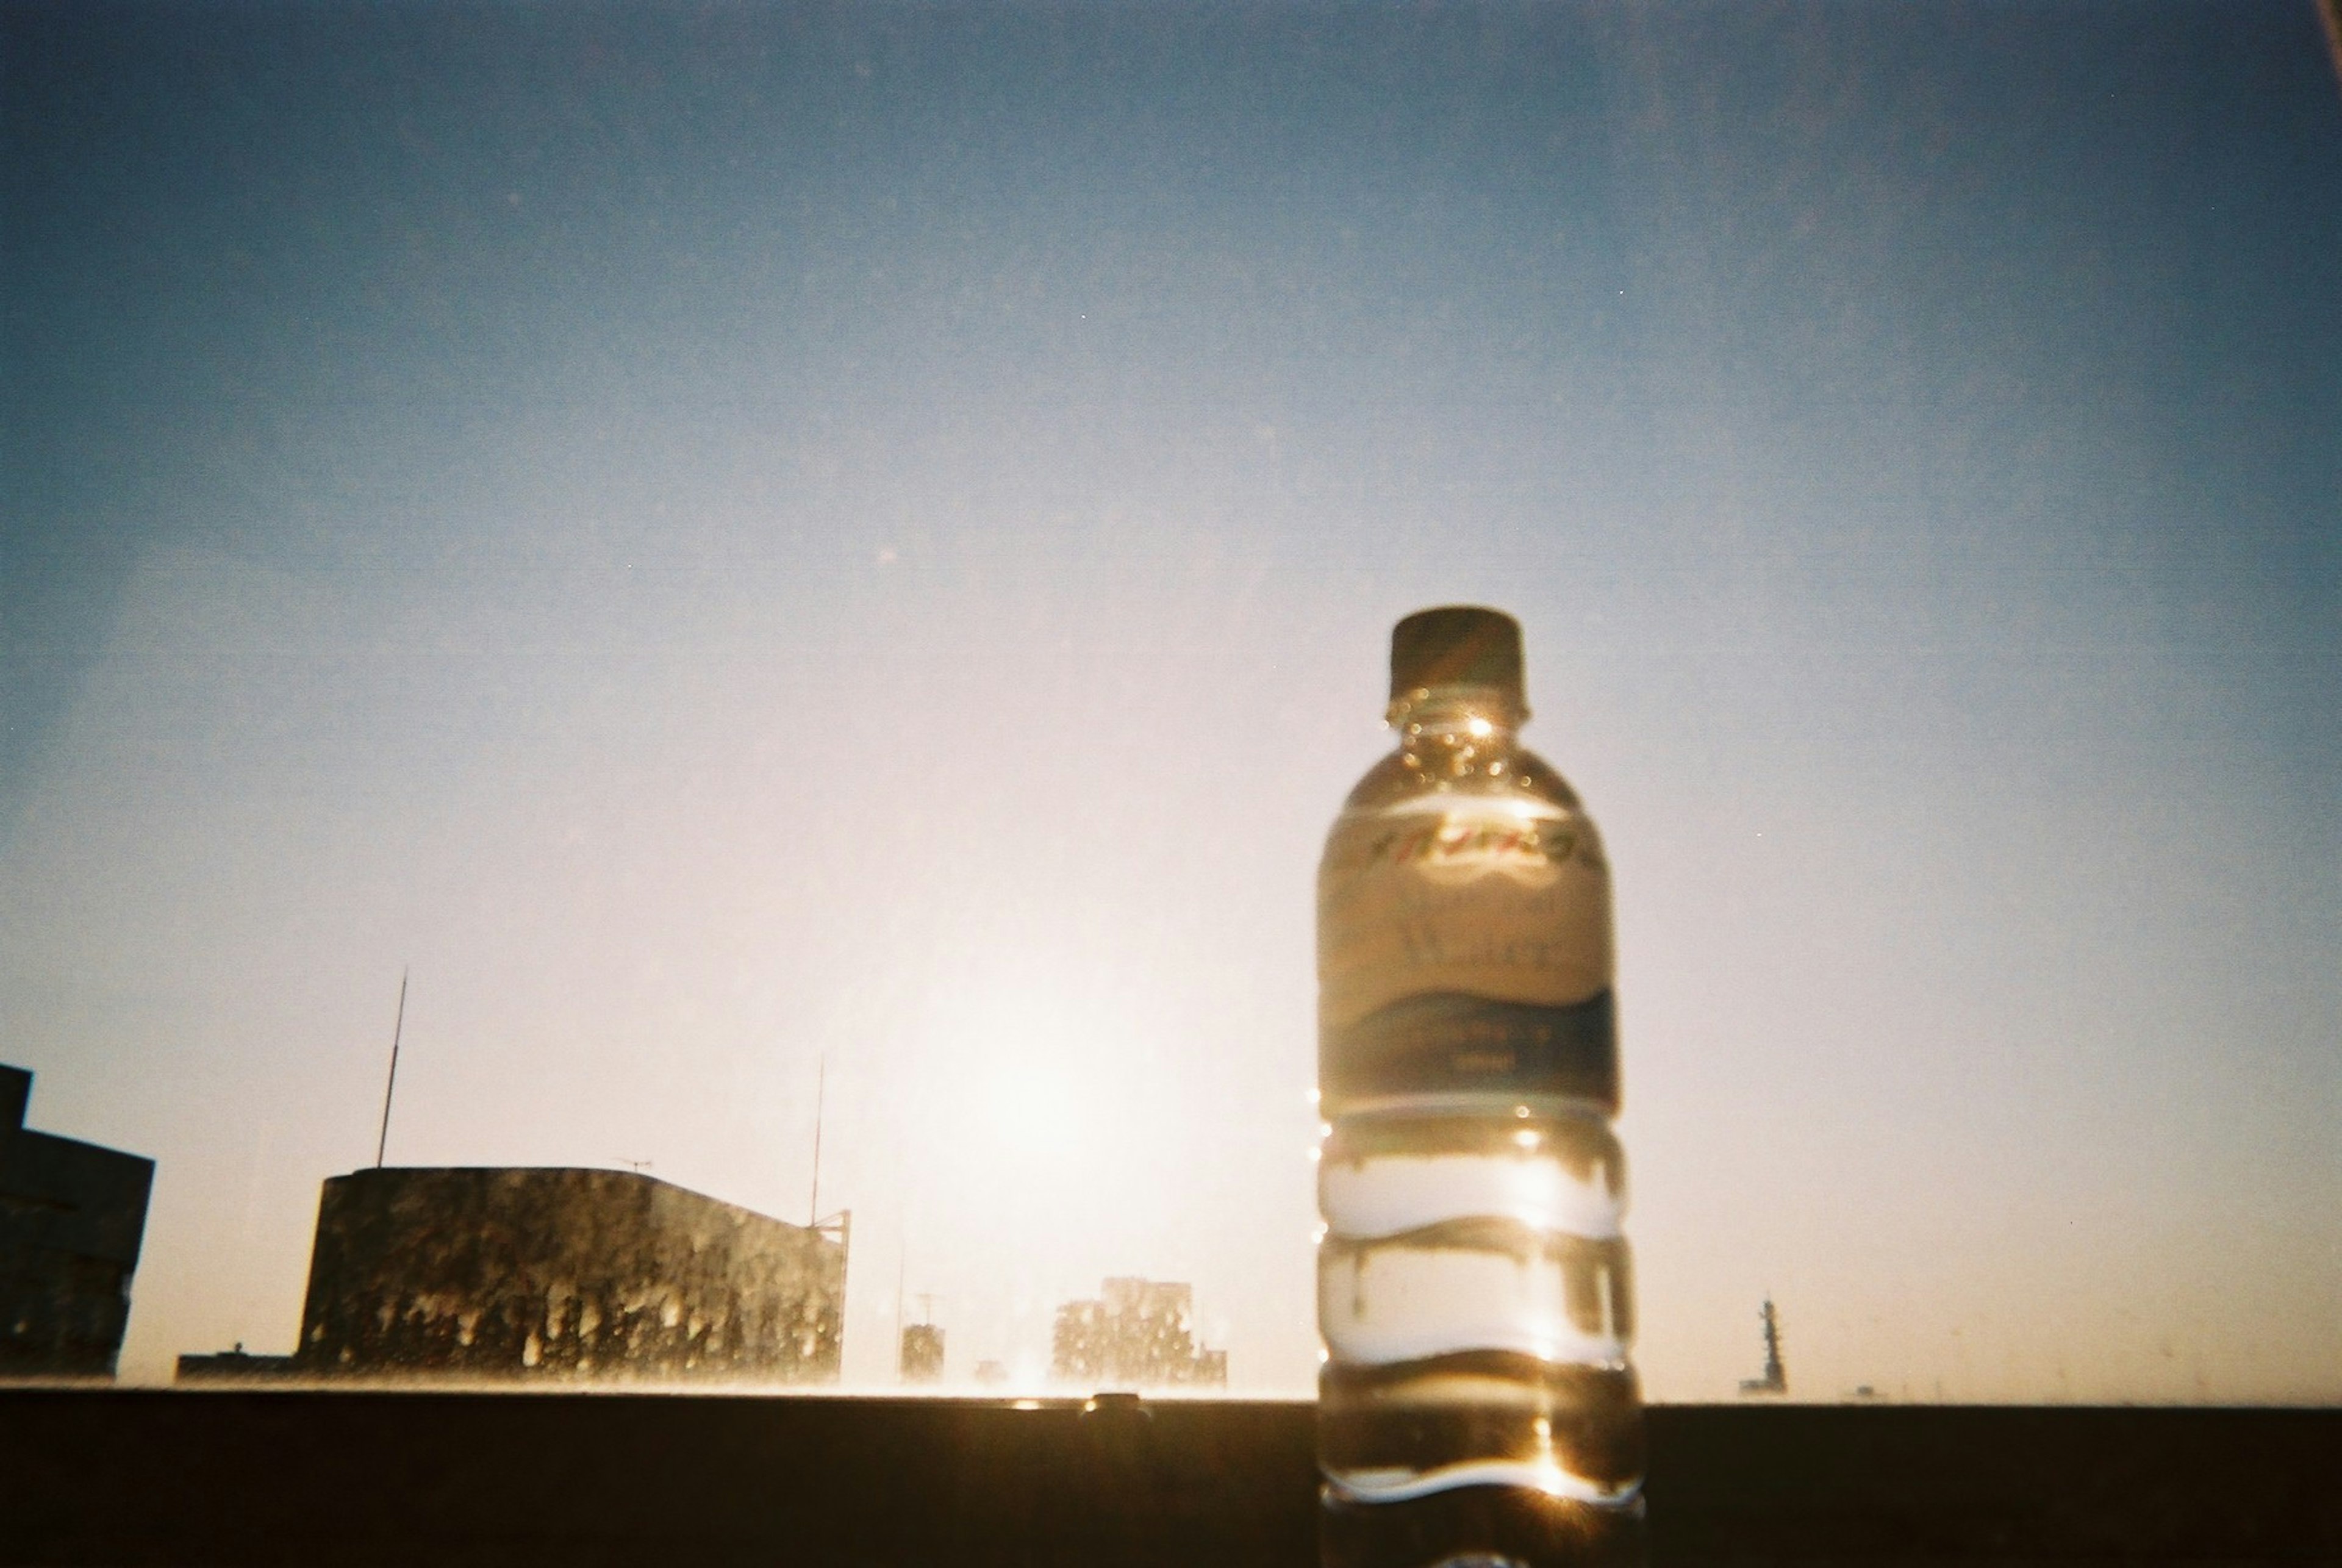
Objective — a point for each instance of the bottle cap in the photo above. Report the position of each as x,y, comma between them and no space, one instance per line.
1459,645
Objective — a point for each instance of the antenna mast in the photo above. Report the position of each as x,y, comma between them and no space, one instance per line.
820,1084
391,1087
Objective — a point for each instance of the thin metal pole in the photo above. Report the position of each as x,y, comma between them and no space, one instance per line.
391,1087
820,1085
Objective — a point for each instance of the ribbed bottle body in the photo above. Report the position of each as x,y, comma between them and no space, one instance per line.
1476,1405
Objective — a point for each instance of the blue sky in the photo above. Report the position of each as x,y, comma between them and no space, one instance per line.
729,538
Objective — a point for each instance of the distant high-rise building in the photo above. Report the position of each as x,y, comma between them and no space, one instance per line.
1138,1334
72,1216
564,1274
1776,1379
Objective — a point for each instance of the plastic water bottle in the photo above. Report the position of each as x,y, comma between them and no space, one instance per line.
1476,1407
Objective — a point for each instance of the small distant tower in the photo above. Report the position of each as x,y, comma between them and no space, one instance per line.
1775,1379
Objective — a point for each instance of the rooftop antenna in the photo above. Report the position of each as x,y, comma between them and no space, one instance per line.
820,1084
391,1087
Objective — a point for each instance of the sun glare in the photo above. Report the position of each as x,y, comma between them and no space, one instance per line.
1035,1110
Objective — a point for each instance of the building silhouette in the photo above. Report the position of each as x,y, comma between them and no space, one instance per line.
923,1353
1138,1334
1776,1379
557,1274
238,1365
71,1217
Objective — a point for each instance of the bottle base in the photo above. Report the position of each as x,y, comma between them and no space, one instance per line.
1573,1430
1479,1527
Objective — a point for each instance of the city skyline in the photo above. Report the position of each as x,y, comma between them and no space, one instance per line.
736,539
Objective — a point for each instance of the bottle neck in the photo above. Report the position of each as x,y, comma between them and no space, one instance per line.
1476,716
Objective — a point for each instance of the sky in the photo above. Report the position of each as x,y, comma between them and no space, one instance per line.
740,546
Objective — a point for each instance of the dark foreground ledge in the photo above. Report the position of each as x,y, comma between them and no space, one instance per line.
325,1478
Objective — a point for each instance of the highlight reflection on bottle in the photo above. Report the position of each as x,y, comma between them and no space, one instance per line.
1477,1406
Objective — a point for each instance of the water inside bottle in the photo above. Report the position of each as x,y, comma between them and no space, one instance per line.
1476,1300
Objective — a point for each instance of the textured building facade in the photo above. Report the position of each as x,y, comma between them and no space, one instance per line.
1138,1334
560,1274
72,1216
923,1353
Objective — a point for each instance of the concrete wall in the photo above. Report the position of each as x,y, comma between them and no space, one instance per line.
556,1273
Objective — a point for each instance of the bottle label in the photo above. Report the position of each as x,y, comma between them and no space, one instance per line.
1450,1043
1475,897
